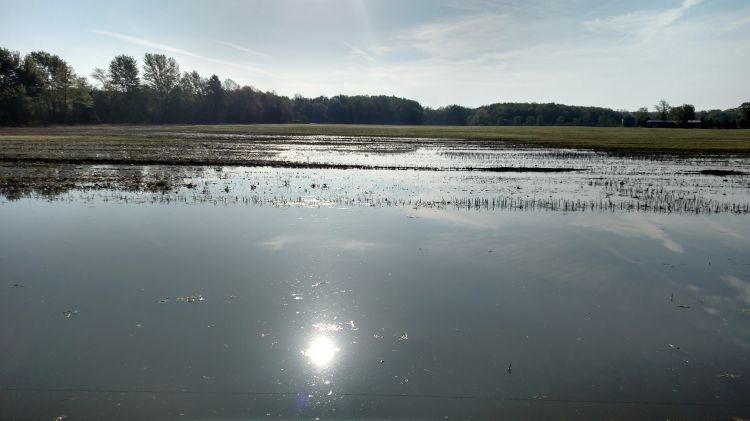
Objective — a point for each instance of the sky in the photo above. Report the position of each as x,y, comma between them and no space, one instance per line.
609,53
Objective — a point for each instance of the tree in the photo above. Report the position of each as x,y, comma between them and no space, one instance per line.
53,80
123,73
683,114
745,114
160,73
230,85
479,118
662,108
243,106
642,116
12,92
10,67
80,103
101,76
214,100
276,109
192,83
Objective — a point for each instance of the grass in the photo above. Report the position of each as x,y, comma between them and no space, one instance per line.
640,140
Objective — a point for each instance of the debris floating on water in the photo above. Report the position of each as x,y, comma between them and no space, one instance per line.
191,298
404,336
728,376
69,313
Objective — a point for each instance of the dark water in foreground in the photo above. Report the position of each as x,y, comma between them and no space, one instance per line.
174,311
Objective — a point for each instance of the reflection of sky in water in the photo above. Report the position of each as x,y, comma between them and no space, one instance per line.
629,226
306,312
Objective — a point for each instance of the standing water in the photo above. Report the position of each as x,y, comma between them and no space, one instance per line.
618,289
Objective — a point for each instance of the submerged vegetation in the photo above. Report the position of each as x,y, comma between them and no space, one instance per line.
41,88
315,171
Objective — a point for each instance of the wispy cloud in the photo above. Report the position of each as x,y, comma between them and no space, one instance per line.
459,219
629,226
278,242
245,49
643,24
359,52
348,244
737,24
178,51
458,37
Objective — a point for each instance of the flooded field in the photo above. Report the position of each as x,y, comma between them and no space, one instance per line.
348,171
319,277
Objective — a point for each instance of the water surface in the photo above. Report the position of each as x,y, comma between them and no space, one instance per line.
146,309
617,290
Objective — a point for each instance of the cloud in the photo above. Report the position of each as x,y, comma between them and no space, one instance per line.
245,49
493,51
463,36
725,230
461,219
281,241
737,24
633,227
278,242
643,24
742,287
712,311
359,52
178,51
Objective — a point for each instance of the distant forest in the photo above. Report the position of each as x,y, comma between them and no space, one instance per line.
41,88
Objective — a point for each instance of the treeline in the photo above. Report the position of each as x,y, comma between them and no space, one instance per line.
524,114
41,88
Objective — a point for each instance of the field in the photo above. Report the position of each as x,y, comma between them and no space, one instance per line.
499,167
621,140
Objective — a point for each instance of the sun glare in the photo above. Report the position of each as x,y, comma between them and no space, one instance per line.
321,351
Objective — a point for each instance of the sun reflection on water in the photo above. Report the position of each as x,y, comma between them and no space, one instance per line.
321,351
